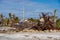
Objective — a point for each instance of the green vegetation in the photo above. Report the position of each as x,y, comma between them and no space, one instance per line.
58,23
32,19
7,21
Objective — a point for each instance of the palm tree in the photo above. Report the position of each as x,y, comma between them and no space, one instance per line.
16,19
10,15
10,19
1,19
54,17
6,21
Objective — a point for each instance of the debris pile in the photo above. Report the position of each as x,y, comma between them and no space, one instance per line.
47,24
44,23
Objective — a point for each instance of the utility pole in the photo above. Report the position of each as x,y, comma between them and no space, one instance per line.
23,13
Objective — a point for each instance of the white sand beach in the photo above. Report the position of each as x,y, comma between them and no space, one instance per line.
31,36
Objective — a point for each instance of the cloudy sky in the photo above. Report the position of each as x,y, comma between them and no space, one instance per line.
31,7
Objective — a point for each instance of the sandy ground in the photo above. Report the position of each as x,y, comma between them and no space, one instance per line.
31,36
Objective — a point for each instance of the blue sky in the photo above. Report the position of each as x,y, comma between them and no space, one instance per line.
30,7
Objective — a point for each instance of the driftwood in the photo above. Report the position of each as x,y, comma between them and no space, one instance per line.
47,25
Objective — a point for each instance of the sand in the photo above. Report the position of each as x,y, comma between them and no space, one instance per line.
31,36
